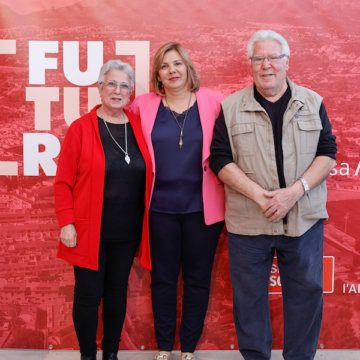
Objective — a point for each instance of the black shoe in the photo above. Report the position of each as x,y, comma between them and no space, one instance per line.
107,355
88,357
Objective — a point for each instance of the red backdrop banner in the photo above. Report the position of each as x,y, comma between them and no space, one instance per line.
49,62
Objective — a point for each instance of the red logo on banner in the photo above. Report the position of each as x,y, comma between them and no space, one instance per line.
328,280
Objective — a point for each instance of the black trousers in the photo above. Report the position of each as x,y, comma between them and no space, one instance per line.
109,283
181,240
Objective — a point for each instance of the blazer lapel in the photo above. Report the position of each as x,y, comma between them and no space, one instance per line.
148,121
204,111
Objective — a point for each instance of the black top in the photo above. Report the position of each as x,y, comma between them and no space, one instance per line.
124,187
220,150
276,111
178,172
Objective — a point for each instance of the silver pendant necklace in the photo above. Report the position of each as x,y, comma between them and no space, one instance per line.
127,157
181,127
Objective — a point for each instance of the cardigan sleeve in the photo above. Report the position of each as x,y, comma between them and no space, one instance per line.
66,177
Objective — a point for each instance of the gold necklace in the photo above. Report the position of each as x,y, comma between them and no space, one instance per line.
181,127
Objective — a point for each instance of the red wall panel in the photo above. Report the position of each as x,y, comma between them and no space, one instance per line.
36,289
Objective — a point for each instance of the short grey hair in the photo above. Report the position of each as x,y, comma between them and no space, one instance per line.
119,65
263,35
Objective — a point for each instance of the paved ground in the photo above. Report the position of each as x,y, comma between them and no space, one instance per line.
7,354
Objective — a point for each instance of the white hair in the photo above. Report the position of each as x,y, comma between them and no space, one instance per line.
119,65
263,35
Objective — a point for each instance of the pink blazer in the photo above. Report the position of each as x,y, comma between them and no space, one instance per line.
147,105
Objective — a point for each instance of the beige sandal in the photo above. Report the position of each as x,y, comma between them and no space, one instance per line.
188,356
163,355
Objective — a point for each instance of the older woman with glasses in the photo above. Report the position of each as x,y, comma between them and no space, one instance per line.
102,192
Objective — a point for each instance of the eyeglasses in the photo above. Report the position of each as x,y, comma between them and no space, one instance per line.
273,59
112,85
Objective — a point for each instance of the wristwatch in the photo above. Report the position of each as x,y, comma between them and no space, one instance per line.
305,185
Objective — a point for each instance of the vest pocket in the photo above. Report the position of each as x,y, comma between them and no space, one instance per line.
309,135
243,137
313,203
253,209
239,205
251,206
304,205
316,200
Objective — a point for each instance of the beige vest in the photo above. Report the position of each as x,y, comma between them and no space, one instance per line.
252,144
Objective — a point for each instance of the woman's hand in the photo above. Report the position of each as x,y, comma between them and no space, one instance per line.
68,235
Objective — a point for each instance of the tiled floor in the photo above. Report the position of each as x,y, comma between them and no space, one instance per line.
7,354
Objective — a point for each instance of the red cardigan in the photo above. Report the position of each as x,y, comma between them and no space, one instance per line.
79,189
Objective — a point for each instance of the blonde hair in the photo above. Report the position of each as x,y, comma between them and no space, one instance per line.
192,75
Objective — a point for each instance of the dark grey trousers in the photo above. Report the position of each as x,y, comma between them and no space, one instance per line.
300,261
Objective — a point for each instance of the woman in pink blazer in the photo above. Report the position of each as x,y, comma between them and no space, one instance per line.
187,204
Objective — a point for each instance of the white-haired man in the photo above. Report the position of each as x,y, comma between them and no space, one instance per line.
273,148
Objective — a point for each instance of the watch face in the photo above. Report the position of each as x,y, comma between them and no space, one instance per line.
305,184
